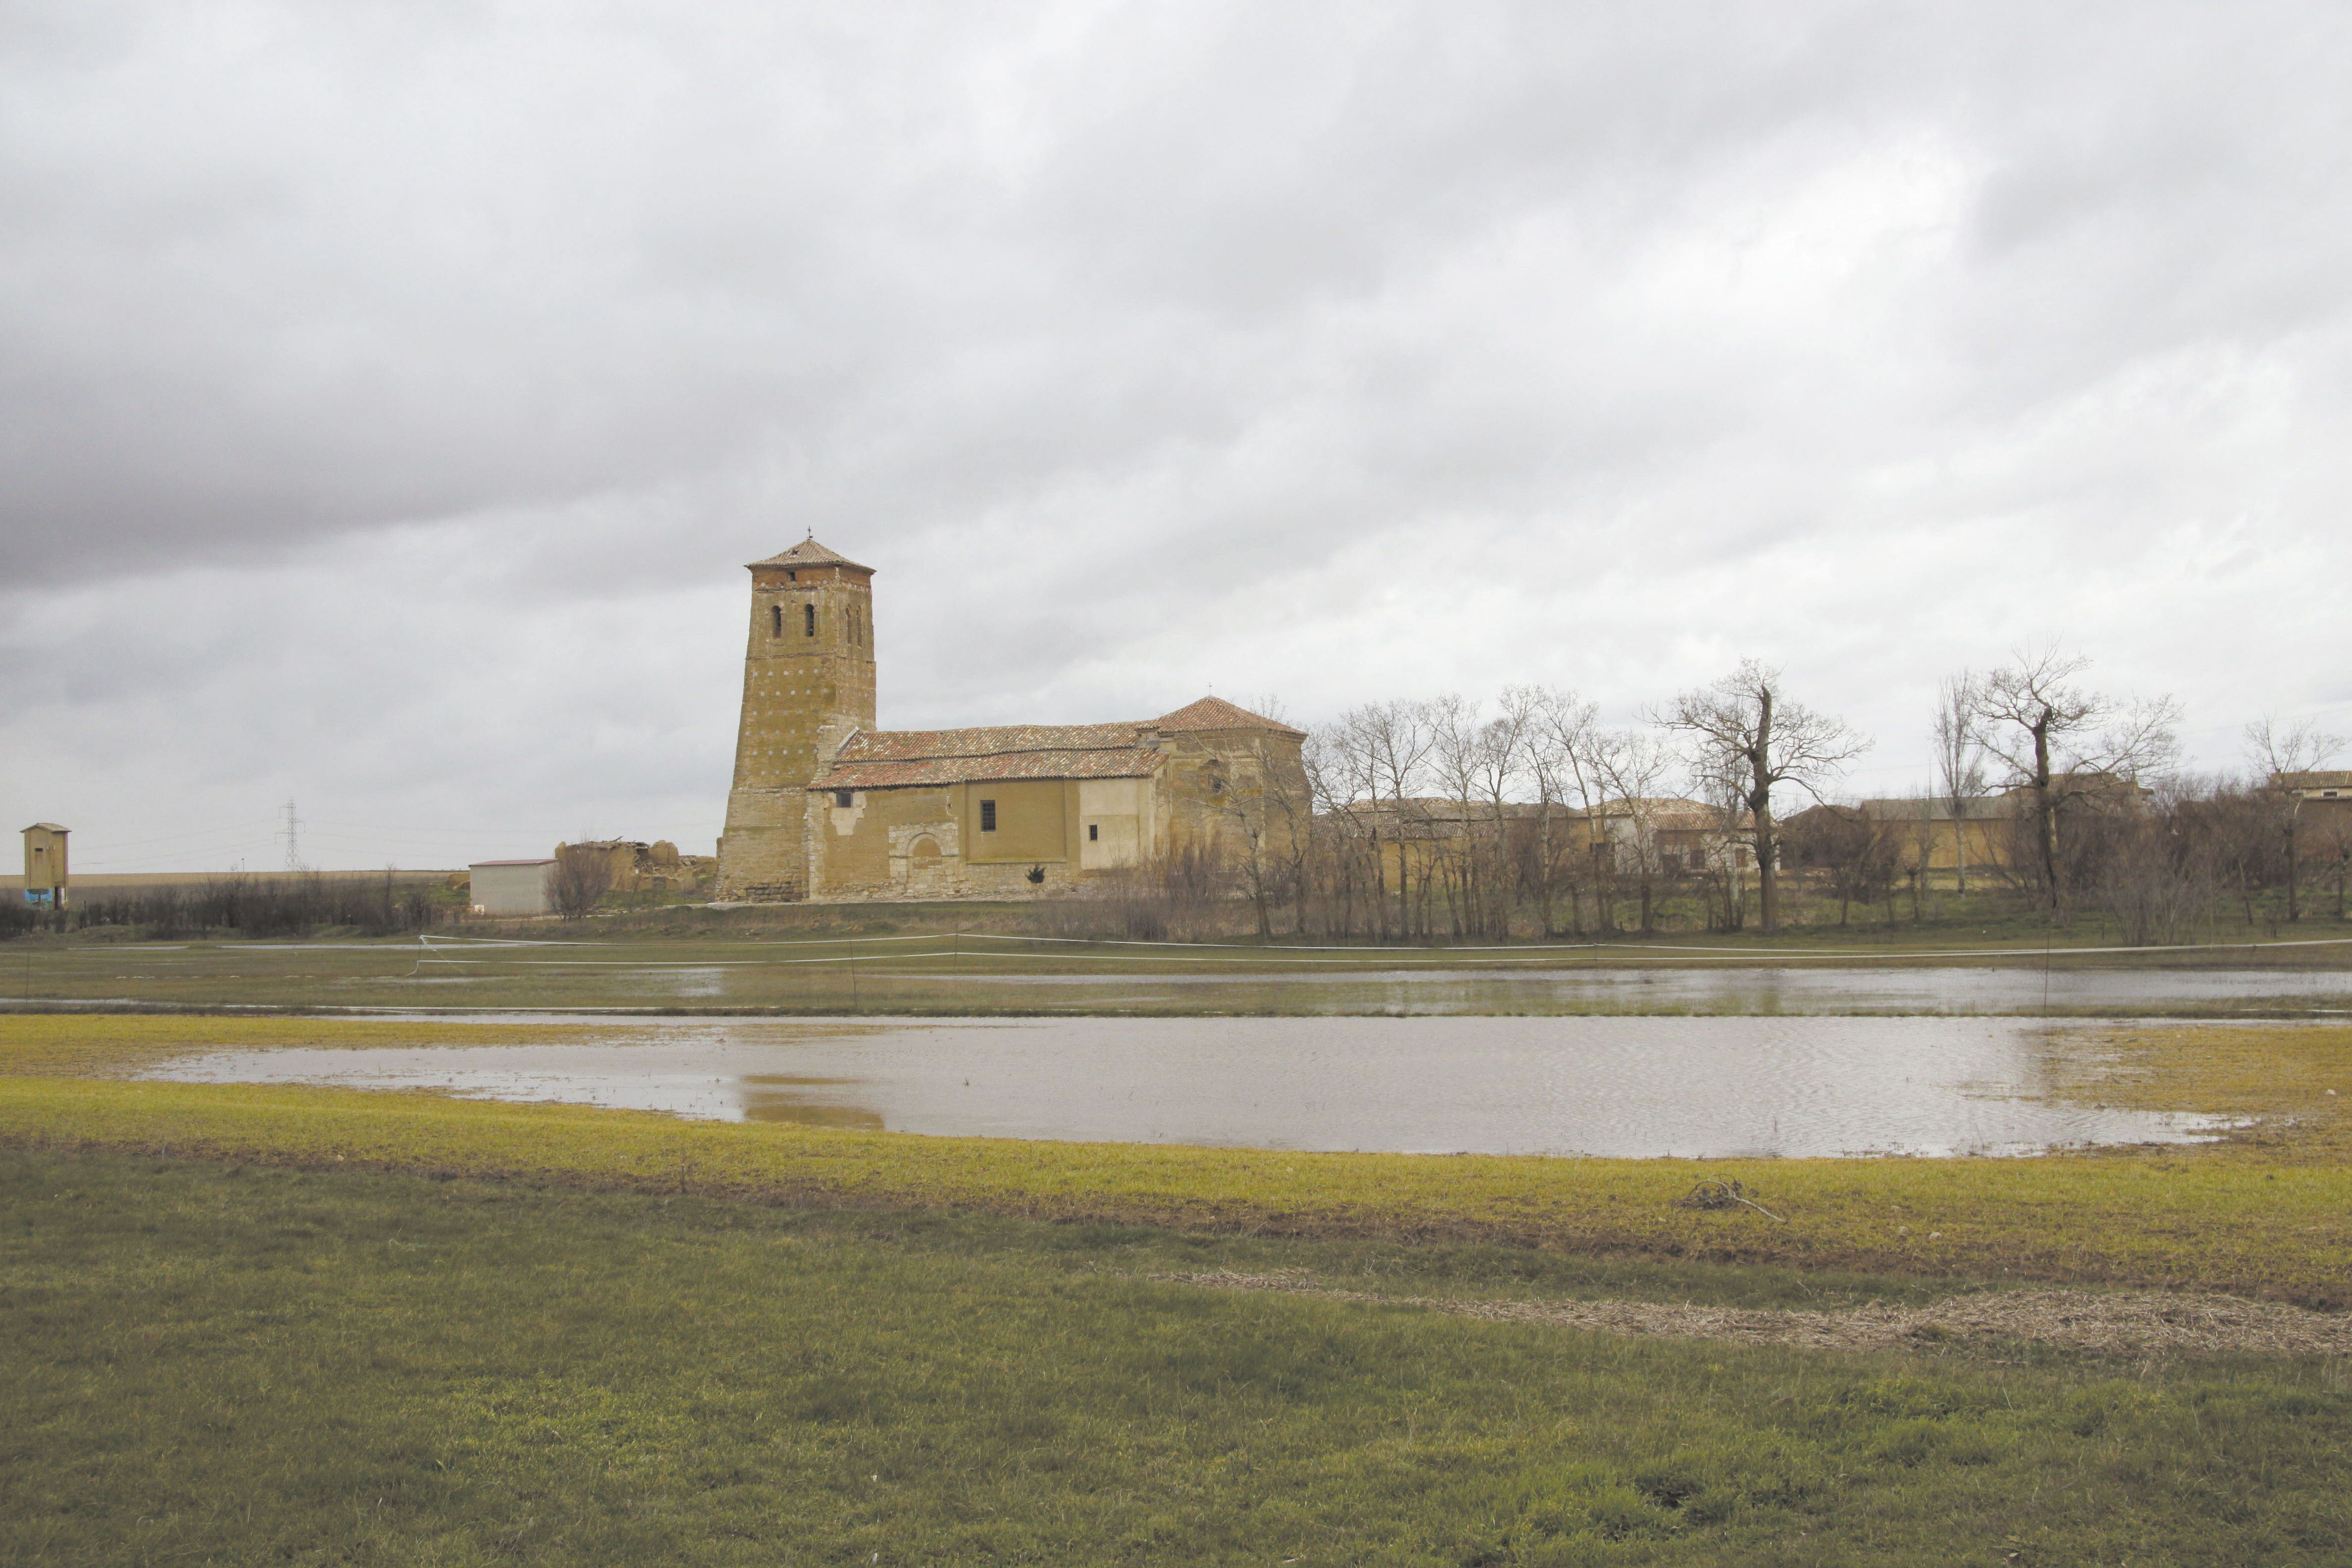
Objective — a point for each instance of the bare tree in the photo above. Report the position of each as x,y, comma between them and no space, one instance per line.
2280,755
1860,856
1959,761
1555,729
2335,856
2159,879
1745,726
1721,786
1269,806
1501,756
1632,766
2061,744
582,876
1457,743
1391,741
1340,760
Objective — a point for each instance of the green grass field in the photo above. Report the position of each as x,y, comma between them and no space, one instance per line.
214,1364
256,1323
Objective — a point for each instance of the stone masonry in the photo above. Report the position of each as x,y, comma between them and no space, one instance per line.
808,686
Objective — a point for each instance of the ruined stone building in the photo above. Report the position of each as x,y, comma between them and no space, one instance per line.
825,806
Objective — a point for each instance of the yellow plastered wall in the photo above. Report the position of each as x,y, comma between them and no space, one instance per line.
1114,823
1035,821
870,846
1989,843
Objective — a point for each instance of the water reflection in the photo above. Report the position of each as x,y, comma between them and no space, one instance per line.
1617,1086
2016,989
805,1101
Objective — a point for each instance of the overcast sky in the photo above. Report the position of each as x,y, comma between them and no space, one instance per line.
394,392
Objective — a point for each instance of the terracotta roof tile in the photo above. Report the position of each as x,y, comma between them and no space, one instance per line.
1216,713
1123,763
902,745
809,553
886,759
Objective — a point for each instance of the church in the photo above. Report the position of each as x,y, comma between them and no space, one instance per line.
826,806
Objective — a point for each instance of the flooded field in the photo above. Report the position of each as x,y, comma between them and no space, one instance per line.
1704,1087
2015,991
927,976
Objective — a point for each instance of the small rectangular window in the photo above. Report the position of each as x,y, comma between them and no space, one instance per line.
1094,832
988,816
843,798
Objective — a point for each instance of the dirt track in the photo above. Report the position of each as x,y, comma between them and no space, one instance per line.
2124,1323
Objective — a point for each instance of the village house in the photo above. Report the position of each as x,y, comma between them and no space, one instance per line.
1623,837
2326,796
1929,832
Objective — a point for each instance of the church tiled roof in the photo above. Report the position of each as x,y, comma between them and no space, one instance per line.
1128,762
809,553
1216,713
885,759
905,746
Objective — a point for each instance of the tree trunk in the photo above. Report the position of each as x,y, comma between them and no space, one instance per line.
2045,810
1759,802
2293,903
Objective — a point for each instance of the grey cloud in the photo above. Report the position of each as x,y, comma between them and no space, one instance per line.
1146,343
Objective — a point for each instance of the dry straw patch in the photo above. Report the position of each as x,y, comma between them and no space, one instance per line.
2136,1324
98,1044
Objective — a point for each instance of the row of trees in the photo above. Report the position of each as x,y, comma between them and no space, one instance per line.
293,905
2164,865
1414,820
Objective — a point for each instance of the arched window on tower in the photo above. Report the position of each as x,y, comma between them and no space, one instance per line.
808,620
775,620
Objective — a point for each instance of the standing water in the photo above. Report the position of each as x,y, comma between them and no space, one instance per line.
1704,1087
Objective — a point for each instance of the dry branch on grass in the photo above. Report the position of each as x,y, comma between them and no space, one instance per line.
1728,1194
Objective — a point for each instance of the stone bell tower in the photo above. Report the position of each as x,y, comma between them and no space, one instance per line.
808,686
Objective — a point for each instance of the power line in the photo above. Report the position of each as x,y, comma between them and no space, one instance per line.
176,837
291,833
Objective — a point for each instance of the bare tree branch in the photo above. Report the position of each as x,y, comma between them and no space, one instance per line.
1745,725
2031,715
1959,759
2282,755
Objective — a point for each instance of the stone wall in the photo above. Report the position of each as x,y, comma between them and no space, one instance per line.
1215,790
808,686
